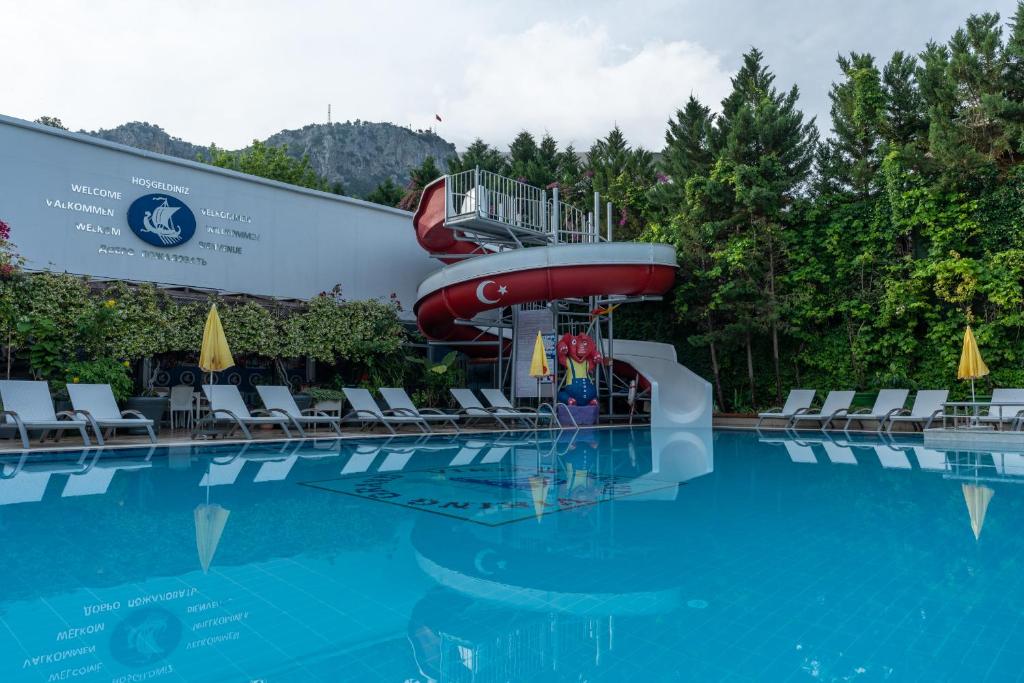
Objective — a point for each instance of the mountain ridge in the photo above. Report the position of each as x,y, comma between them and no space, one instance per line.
358,154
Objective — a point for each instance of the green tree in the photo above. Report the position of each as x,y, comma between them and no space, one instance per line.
274,163
478,155
52,122
387,193
421,176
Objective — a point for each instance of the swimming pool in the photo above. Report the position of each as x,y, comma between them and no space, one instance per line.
605,555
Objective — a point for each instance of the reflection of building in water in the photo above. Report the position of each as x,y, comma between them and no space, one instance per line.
540,598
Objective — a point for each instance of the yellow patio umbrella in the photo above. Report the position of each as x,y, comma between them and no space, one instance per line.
977,499
971,365
539,363
214,355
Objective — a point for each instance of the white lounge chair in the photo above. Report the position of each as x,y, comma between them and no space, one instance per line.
503,407
280,399
473,409
96,404
927,406
836,405
366,411
887,402
798,401
28,407
398,400
226,405
1005,415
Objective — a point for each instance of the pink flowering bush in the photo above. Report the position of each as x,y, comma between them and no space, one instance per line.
9,259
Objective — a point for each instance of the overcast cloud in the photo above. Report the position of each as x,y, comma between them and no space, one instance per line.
230,71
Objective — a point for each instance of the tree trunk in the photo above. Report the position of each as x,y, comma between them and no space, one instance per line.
853,350
775,360
718,380
750,370
714,364
774,319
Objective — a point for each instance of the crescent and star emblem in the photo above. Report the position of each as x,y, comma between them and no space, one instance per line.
502,291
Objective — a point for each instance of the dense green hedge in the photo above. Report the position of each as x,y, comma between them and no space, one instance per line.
54,320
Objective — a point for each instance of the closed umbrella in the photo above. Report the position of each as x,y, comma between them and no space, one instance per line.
214,355
977,498
971,367
539,363
210,521
539,489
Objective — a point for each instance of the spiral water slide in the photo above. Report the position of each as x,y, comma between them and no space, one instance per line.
459,226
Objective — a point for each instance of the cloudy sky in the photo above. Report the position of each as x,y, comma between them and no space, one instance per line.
229,71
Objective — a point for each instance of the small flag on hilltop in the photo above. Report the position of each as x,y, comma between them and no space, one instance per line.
437,116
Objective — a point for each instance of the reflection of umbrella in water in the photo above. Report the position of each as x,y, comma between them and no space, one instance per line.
539,488
210,522
977,498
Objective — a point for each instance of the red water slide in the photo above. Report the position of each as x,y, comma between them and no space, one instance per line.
467,287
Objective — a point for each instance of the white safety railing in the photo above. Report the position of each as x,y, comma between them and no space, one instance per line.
527,212
574,225
488,195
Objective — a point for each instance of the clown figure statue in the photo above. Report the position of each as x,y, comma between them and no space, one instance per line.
579,356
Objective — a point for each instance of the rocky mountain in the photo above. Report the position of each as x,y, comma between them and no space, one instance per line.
360,154
150,137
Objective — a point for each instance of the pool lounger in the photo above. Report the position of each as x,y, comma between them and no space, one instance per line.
888,402
279,398
503,407
1011,415
227,406
398,400
28,407
365,411
927,406
473,410
798,400
836,406
95,403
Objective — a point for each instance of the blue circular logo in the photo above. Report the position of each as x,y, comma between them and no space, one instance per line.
161,220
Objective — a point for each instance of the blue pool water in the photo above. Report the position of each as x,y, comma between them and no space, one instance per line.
609,555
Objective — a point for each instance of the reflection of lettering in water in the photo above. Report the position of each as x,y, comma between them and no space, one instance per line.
160,222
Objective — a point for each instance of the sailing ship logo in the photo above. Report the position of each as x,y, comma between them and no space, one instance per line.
161,220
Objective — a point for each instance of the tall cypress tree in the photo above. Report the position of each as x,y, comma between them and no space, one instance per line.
478,154
764,150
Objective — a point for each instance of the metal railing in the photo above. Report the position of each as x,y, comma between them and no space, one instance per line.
527,213
572,225
482,194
